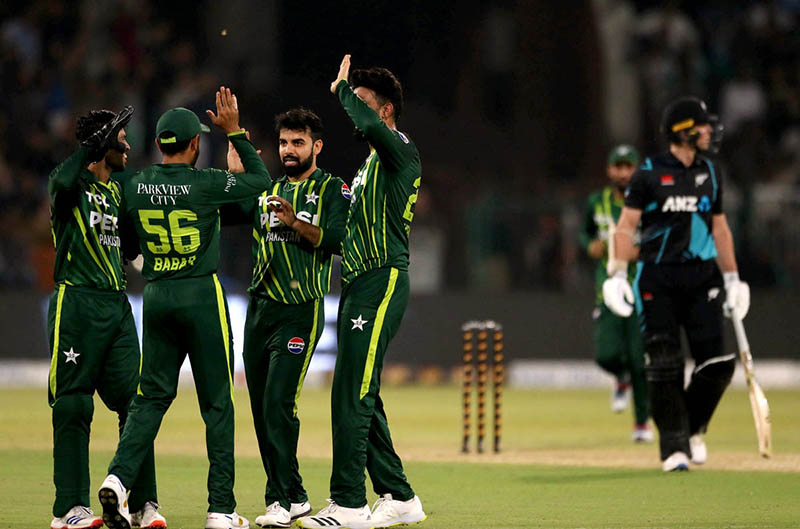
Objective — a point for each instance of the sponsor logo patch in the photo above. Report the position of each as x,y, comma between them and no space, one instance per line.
296,345
647,296
346,192
667,180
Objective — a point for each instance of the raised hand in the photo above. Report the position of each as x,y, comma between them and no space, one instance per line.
234,161
344,73
227,116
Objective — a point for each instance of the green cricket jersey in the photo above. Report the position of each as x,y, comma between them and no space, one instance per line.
602,206
287,267
383,194
174,209
85,224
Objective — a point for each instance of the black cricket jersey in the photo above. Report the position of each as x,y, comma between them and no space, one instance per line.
677,204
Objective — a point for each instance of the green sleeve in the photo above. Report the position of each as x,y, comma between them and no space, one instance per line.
589,230
62,181
336,208
224,187
394,150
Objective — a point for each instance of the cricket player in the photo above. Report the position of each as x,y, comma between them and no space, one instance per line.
618,341
298,224
174,208
374,296
91,329
677,196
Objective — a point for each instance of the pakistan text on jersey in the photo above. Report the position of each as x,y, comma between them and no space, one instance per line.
163,194
109,240
282,236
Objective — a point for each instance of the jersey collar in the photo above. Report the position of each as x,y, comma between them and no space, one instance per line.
316,175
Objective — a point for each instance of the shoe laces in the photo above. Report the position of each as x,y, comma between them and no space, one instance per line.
274,507
385,504
85,510
330,509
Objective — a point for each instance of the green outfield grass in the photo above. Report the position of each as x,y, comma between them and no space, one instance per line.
567,463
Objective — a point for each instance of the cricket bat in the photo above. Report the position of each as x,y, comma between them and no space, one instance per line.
758,401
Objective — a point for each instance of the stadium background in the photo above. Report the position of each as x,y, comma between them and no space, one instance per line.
513,106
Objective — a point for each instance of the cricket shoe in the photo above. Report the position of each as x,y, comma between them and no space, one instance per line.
620,396
79,517
221,520
335,516
299,509
698,448
148,517
114,499
388,512
276,516
642,433
676,462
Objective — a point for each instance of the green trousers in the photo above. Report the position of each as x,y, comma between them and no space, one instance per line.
94,348
620,351
370,311
184,317
279,340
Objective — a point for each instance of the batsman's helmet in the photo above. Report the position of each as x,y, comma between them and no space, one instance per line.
682,115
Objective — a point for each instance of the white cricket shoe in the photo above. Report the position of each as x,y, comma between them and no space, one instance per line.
276,516
221,520
642,433
336,516
299,509
698,447
114,499
388,512
148,517
677,462
79,517
620,397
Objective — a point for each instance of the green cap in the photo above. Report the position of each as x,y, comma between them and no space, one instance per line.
623,153
182,123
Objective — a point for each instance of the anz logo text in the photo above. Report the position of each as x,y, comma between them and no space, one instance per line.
687,204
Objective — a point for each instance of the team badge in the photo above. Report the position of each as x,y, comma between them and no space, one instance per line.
699,179
296,345
72,356
346,192
667,180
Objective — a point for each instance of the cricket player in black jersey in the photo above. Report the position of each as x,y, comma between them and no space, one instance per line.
678,198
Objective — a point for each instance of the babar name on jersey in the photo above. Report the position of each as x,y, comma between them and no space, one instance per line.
686,204
106,223
172,263
163,194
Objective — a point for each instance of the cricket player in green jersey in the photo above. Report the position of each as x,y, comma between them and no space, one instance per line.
618,341
374,297
174,208
91,329
298,224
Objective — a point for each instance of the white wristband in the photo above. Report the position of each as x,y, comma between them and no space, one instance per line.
730,277
616,265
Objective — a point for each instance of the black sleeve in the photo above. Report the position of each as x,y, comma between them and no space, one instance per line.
638,193
716,207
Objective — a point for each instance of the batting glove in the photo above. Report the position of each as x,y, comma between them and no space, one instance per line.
618,294
737,296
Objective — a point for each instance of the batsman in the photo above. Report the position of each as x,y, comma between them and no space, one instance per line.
374,297
677,196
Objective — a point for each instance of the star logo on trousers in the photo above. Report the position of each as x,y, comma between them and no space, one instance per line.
358,323
72,356
311,198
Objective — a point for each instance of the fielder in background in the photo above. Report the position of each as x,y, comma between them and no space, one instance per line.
617,340
174,208
678,198
91,329
297,227
374,297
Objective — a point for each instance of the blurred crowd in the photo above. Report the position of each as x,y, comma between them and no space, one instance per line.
506,167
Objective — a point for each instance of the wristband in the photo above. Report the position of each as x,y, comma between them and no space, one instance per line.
617,265
730,277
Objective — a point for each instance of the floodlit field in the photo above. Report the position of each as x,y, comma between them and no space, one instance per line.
567,463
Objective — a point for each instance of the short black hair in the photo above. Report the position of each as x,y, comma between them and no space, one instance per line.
172,148
90,123
383,83
299,119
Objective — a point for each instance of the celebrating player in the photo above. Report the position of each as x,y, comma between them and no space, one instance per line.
374,297
174,208
91,330
678,198
297,227
618,341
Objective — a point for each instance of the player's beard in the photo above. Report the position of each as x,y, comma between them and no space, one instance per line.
115,160
359,136
301,167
